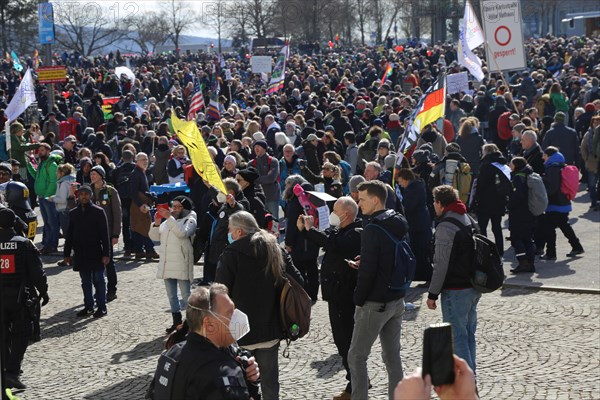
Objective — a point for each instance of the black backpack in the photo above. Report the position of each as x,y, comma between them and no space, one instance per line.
121,181
487,271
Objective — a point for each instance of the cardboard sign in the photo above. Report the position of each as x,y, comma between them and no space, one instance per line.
456,83
261,64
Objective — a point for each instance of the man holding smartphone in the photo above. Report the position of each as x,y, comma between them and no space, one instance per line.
451,272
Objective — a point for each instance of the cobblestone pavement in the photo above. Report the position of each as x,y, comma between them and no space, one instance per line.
531,345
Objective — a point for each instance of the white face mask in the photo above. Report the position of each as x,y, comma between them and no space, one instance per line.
239,326
334,220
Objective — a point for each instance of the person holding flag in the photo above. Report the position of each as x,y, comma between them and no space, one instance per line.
197,102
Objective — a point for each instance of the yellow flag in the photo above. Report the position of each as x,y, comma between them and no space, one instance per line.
188,133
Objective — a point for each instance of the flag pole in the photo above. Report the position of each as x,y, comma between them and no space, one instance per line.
512,100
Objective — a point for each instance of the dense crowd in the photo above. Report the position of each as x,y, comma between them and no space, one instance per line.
335,127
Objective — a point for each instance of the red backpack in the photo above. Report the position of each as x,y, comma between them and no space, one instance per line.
569,182
504,129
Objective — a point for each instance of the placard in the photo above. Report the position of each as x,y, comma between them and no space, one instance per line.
504,35
56,74
261,64
456,83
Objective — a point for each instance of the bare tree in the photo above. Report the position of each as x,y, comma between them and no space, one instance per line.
180,16
260,17
18,26
215,16
87,27
149,31
362,11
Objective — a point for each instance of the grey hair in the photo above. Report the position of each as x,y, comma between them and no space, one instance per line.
138,155
348,204
200,303
374,164
530,134
290,182
262,241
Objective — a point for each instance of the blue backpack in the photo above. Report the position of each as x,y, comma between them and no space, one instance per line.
405,263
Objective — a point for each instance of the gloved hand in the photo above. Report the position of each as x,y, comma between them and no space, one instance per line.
45,299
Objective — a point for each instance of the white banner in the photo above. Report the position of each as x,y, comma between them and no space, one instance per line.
504,35
261,64
23,97
457,83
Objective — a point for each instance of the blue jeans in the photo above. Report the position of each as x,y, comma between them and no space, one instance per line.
372,320
51,225
268,361
91,280
459,308
592,181
63,221
184,288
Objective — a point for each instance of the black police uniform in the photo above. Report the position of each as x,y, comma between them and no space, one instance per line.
21,273
197,369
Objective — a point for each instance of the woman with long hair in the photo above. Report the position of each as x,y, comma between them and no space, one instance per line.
252,268
470,142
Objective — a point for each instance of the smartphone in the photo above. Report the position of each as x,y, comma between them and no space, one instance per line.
438,359
164,206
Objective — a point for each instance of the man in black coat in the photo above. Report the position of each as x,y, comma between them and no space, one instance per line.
91,249
532,152
341,242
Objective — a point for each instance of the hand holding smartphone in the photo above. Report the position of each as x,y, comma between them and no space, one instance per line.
438,354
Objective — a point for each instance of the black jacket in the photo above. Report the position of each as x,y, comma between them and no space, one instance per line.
520,219
203,369
218,238
243,268
414,200
377,258
302,249
89,245
338,280
487,198
534,158
256,200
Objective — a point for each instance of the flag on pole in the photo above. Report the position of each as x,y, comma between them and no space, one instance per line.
470,37
387,73
197,102
188,133
431,107
16,62
24,96
472,28
278,76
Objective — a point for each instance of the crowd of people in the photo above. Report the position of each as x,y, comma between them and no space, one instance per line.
335,127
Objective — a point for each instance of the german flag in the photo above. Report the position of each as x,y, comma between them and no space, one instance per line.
432,105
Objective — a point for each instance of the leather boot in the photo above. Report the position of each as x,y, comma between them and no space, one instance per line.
177,320
524,266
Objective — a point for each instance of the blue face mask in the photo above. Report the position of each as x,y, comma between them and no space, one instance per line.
230,238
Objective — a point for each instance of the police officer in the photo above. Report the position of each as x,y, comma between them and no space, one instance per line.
21,274
17,198
203,366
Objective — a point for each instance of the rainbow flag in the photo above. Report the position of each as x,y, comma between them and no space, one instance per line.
278,76
387,73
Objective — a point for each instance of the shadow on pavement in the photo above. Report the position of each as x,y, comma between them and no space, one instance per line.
329,367
513,292
130,388
141,351
64,323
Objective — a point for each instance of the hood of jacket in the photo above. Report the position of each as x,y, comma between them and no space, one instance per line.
555,159
494,157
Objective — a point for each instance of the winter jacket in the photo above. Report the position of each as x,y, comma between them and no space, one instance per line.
286,169
243,268
332,186
450,261
565,139
88,245
438,143
338,280
557,201
19,145
487,198
107,198
351,156
160,164
302,249
176,251
534,158
414,200
62,192
587,152
45,176
256,199
470,148
268,171
520,219
377,253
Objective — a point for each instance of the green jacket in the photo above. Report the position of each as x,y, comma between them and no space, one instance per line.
45,176
19,145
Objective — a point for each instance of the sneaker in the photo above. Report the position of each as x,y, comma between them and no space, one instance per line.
110,296
100,313
575,253
85,313
11,381
343,396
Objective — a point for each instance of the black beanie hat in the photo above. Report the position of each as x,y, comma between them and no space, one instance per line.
249,174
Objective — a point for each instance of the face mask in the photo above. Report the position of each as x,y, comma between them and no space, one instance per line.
334,220
230,238
239,326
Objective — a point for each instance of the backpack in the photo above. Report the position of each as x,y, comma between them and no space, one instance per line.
569,182
405,263
458,175
537,197
64,129
122,182
502,181
295,307
504,129
487,271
